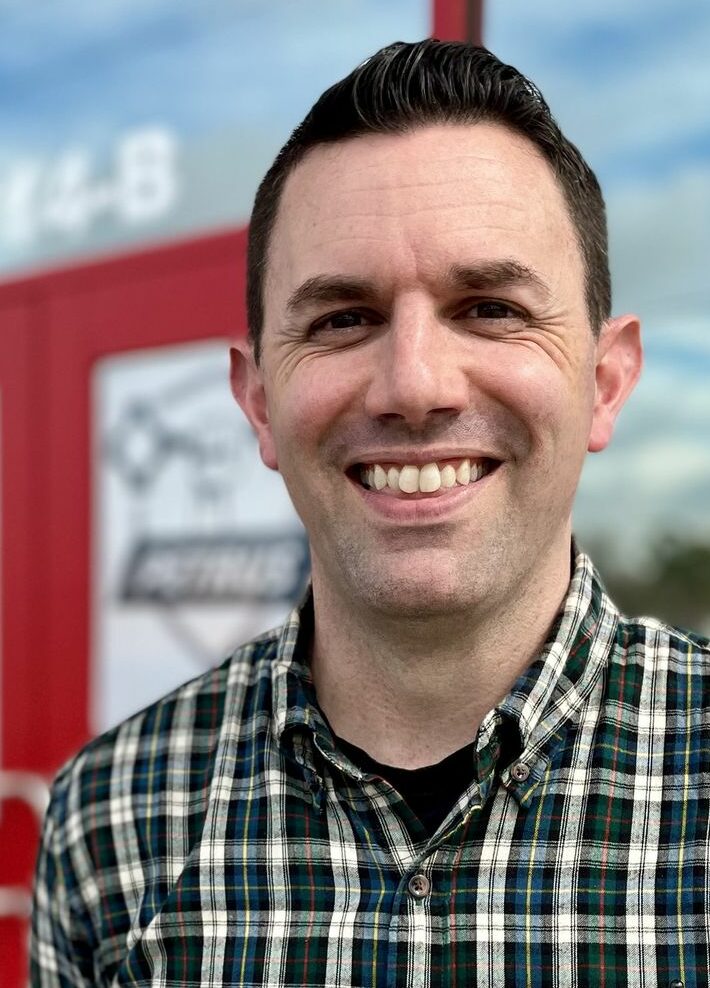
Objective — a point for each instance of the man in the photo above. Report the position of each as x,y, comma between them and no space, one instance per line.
456,763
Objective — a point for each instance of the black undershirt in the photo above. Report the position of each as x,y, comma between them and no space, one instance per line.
429,792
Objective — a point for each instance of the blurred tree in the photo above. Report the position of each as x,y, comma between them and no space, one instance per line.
674,586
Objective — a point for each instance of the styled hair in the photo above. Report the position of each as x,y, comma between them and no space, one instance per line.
406,86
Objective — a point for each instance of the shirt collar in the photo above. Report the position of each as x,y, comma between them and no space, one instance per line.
561,678
552,691
294,696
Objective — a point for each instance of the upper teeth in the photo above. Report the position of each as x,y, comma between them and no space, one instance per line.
426,479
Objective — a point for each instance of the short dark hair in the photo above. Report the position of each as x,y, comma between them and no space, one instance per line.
405,86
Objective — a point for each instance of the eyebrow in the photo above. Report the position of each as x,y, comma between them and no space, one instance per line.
483,276
492,275
326,288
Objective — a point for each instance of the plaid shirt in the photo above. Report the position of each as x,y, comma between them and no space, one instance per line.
219,838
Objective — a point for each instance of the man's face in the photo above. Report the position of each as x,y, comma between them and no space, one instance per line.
424,304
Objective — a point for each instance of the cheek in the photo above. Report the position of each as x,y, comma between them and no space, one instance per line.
306,410
554,407
529,386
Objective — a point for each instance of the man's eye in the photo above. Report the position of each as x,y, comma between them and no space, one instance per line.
492,310
348,319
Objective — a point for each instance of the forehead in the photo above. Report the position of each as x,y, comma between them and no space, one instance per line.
405,207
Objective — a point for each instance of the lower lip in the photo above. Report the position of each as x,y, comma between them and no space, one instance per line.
425,508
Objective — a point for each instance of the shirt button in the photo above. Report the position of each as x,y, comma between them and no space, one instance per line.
677,983
419,886
520,771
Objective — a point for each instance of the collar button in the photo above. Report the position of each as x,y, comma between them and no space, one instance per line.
520,771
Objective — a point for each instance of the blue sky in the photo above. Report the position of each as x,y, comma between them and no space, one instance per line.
69,68
630,84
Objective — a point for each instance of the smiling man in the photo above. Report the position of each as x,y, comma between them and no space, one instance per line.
456,763
429,381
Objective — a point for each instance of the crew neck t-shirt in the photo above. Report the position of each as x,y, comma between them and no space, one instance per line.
430,791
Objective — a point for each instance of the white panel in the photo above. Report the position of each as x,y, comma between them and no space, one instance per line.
196,544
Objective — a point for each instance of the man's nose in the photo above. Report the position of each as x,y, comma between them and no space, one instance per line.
419,371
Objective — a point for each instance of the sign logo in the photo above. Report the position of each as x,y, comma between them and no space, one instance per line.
198,545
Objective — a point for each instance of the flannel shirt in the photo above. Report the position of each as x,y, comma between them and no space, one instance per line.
220,838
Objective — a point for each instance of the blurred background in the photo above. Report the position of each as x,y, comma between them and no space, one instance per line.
140,536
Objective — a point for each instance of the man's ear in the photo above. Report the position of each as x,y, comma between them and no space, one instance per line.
618,364
247,383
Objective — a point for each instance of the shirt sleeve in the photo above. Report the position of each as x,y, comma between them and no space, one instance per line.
62,941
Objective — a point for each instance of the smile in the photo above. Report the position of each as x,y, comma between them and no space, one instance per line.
409,480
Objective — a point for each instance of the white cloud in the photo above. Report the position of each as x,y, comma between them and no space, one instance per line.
660,240
670,465
654,479
619,76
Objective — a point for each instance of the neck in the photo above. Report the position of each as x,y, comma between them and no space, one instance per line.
412,691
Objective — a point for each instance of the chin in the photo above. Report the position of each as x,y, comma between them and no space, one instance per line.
426,582
416,596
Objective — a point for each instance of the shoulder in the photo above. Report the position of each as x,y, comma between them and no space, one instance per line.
128,809
665,642
168,749
672,663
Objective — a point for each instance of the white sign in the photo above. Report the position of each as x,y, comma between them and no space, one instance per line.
197,545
